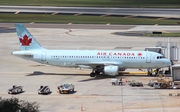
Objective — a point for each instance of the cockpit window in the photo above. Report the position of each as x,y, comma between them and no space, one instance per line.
160,57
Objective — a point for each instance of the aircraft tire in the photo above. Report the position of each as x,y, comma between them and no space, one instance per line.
92,75
97,72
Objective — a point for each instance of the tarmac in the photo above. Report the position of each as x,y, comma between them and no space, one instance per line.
91,94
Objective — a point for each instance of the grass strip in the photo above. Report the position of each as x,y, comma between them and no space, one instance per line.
96,3
163,35
81,19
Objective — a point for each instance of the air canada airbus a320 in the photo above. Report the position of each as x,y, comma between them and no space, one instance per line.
108,62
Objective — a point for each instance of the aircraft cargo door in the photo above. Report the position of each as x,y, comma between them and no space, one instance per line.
148,58
43,56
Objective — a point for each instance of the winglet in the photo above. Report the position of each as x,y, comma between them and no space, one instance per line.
26,40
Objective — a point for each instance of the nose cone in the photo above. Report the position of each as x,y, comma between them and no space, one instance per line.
168,62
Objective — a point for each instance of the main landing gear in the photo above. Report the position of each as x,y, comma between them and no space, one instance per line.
94,73
149,72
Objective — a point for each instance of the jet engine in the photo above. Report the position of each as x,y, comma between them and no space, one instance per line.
111,70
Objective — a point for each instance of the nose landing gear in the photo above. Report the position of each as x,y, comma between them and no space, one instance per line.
149,73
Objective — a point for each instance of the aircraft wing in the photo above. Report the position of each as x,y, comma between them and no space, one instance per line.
95,64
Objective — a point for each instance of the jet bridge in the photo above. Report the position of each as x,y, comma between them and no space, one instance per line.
154,49
174,53
175,72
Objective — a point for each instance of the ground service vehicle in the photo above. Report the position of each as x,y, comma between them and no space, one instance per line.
136,84
163,85
116,81
65,88
176,86
151,82
161,80
160,85
15,90
44,90
166,85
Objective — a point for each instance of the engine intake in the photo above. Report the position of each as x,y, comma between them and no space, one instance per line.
111,70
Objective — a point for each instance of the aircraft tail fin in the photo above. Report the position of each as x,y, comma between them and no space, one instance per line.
26,40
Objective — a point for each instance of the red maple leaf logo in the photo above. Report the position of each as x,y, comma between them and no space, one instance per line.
25,41
139,54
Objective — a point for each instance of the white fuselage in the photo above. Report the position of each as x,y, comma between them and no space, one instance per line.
90,58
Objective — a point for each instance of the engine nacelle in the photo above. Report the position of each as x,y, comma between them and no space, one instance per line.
111,70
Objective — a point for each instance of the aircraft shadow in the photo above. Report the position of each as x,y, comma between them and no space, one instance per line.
98,77
129,75
38,73
46,93
68,93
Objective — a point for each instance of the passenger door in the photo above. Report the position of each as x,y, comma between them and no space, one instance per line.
148,58
43,56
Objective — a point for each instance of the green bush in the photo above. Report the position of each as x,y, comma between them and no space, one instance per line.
15,105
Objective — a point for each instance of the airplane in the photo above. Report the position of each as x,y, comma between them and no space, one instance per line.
108,62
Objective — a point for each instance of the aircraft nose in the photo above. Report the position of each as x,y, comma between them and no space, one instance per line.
168,62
